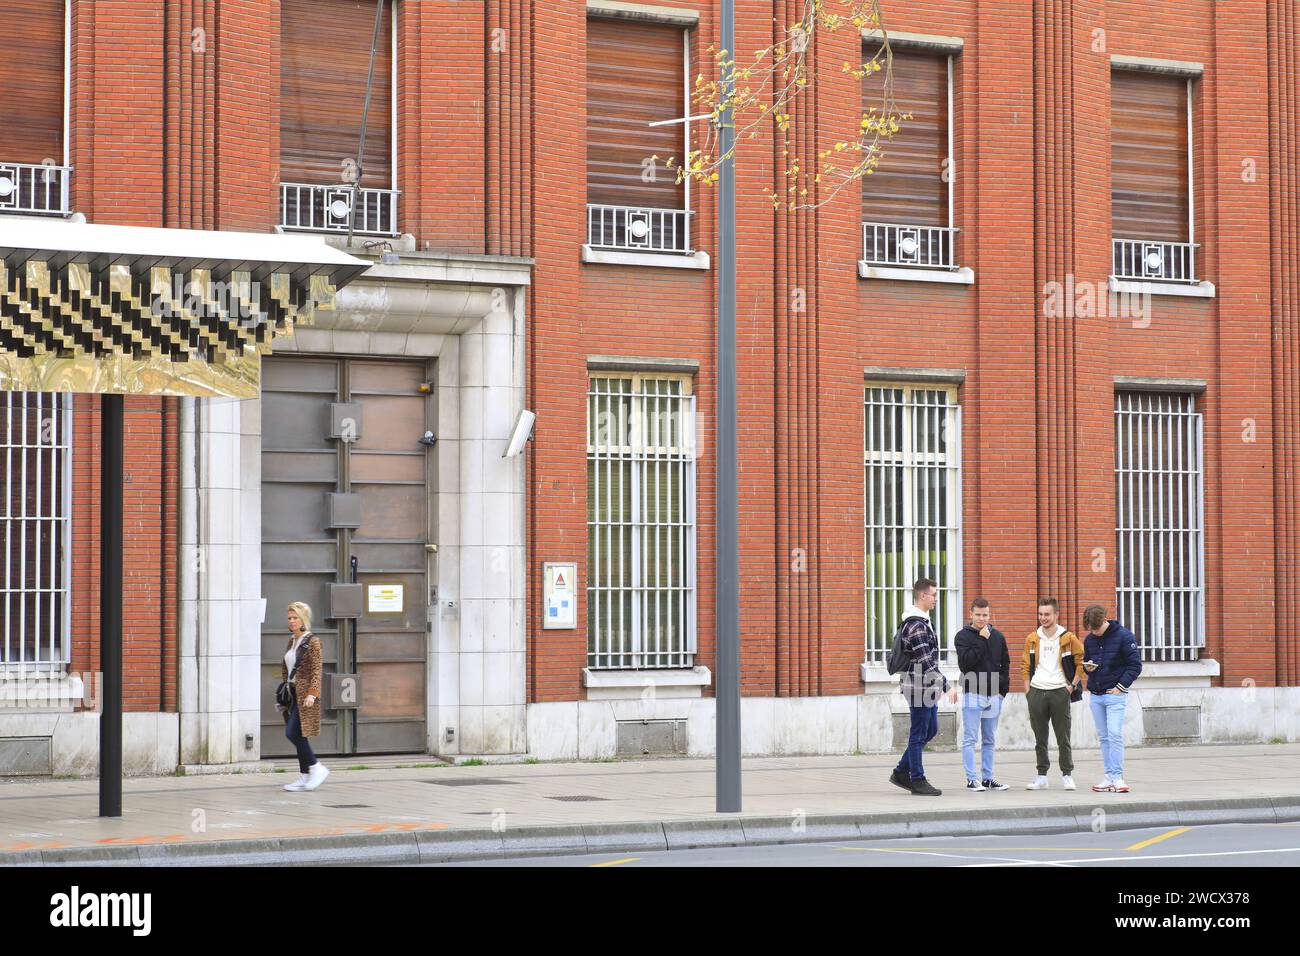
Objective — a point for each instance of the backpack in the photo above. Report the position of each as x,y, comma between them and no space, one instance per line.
899,659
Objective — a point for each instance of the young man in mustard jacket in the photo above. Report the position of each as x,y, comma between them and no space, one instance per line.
1052,667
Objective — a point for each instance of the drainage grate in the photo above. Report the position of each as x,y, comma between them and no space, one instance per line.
482,782
349,806
579,798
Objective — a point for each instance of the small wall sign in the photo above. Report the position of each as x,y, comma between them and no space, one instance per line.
384,599
559,594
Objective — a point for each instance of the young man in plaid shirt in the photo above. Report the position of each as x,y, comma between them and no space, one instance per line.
921,684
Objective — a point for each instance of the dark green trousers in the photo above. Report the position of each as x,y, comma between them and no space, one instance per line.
1053,706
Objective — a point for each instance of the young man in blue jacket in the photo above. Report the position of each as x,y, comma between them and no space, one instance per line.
1113,662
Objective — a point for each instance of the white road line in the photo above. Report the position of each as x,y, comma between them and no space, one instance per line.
1138,859
1002,860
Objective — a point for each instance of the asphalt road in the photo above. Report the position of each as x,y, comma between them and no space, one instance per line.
1226,845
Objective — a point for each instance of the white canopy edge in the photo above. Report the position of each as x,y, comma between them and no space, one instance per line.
143,247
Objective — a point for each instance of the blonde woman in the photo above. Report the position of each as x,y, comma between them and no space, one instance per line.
302,672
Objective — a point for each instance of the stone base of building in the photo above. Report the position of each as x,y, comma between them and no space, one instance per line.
877,723
66,744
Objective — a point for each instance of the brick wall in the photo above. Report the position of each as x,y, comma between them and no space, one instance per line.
149,502
491,146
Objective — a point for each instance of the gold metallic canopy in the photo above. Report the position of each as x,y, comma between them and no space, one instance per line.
154,311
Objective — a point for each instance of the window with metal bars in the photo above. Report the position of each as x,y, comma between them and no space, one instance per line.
1159,484
640,521
912,508
35,528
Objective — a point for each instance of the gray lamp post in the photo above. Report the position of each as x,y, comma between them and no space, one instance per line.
727,558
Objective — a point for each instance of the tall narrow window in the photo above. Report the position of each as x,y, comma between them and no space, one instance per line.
1150,155
640,522
913,508
35,503
33,175
636,77
1160,586
906,200
324,63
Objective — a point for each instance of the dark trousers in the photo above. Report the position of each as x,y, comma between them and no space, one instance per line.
925,725
1053,706
293,730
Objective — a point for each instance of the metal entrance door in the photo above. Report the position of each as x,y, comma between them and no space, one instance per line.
345,527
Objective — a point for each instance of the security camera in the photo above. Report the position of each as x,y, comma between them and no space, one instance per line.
523,431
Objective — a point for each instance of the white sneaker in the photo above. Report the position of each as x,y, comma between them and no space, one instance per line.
299,784
1103,785
1067,782
1118,785
316,775
1040,783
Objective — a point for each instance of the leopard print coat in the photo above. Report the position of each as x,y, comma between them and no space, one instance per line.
306,682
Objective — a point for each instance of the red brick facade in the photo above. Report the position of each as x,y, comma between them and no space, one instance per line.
174,122
150,570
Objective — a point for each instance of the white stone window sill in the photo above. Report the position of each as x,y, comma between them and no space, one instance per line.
880,681
1199,290
962,276
30,688
622,685
656,260
1159,675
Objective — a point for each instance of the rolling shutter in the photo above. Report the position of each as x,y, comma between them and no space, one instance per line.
635,76
1148,155
324,59
908,186
31,84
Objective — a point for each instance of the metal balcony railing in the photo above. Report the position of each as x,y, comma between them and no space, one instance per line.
308,208
638,229
1146,260
922,247
40,190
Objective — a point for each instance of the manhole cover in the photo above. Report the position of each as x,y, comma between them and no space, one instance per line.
349,806
579,798
481,782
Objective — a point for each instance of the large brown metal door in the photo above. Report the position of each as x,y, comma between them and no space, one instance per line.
349,511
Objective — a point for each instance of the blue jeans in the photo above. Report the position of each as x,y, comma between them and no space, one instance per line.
1108,712
925,725
979,713
293,730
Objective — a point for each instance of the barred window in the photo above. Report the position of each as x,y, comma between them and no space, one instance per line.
1160,580
640,522
35,528
913,508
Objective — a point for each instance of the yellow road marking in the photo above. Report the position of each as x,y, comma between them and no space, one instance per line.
967,849
626,859
1156,839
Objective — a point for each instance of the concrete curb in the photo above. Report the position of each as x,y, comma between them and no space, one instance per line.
458,845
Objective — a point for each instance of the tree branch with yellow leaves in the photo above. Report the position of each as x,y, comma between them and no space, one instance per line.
763,95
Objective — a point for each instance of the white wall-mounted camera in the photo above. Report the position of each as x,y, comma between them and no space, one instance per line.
523,431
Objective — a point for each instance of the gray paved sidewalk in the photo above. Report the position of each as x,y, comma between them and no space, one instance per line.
422,814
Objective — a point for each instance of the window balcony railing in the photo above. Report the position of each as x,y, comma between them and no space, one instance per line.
38,190
639,229
1146,260
920,247
308,208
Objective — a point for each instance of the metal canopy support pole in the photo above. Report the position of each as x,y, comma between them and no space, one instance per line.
110,607
727,621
